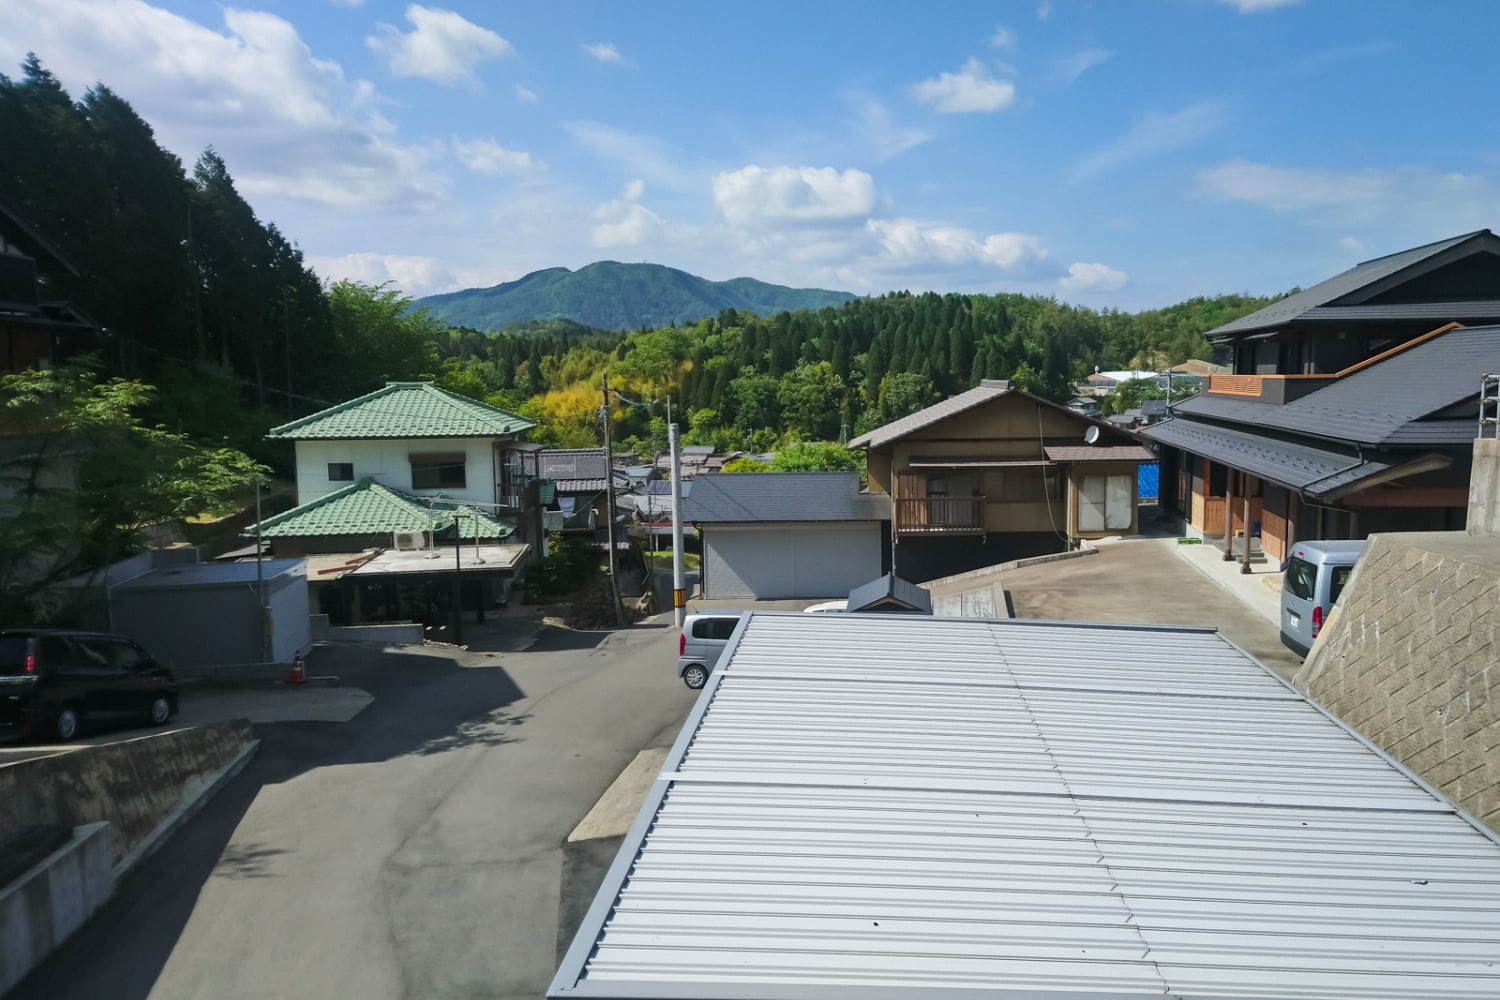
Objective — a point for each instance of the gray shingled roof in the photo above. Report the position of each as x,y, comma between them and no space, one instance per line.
1315,471
1382,404
1342,285
783,496
985,391
1098,453
915,598
1482,310
576,470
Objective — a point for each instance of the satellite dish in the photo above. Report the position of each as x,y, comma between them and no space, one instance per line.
1091,435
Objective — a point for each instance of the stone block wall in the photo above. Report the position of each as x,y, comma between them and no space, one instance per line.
1409,658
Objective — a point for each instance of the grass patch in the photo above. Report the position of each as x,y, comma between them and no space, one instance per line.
690,560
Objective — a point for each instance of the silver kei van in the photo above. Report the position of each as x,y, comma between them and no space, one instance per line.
703,639
1316,573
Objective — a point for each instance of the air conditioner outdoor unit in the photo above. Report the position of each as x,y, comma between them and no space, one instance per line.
410,541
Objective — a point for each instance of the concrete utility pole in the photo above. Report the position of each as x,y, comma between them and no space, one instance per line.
609,498
679,593
260,585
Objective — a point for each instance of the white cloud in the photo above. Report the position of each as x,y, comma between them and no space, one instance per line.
605,52
1406,202
415,276
1352,246
1341,54
1003,38
442,46
908,243
641,154
1082,277
880,130
486,156
347,3
1044,10
625,222
290,125
1153,134
1069,69
1256,6
759,195
972,89
526,95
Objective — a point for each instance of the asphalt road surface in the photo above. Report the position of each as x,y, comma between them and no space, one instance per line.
414,852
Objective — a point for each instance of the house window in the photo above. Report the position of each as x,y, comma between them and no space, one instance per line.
341,472
1106,503
438,471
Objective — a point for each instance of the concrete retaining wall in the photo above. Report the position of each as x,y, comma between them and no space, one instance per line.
52,899
134,785
1409,658
1484,488
399,633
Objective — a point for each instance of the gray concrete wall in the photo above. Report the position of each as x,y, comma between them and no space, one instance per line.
185,628
134,785
52,899
291,633
1484,488
1409,658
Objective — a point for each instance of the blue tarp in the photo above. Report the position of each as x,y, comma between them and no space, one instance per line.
1148,482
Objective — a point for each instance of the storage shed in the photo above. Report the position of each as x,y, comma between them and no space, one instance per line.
912,807
207,614
783,535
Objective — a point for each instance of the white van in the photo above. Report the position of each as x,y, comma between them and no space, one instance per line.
1316,573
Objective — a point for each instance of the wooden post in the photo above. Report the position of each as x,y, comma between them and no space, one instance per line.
1229,475
1245,566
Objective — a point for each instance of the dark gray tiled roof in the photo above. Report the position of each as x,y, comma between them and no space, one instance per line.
1381,404
1098,453
890,586
783,496
1340,285
1437,312
1316,471
580,485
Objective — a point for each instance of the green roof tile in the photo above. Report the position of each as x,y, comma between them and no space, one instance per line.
405,410
368,508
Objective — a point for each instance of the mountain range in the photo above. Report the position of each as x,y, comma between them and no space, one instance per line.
615,296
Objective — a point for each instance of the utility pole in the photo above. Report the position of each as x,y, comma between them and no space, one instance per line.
679,593
458,585
609,498
260,585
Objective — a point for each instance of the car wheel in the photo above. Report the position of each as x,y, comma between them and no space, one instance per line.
161,710
695,676
66,725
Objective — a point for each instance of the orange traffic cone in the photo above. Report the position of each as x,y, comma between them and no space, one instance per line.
297,675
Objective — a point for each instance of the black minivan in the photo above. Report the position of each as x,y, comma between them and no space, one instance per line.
51,682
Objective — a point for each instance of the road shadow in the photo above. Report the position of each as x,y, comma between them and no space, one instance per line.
552,639
425,703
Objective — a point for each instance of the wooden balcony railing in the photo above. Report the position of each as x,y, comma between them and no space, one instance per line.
940,515
1235,385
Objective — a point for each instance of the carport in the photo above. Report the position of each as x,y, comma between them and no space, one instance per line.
773,536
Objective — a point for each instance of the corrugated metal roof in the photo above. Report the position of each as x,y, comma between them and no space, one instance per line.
405,410
885,806
782,496
1341,285
1384,402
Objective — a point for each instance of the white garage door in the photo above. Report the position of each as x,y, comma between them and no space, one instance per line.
826,559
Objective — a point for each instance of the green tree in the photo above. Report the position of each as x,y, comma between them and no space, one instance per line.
84,474
755,403
809,397
817,456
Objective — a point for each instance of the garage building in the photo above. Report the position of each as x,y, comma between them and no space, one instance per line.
780,535
899,806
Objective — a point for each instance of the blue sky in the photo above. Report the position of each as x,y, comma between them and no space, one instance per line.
1118,153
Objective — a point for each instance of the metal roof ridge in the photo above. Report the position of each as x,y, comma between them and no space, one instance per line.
1455,240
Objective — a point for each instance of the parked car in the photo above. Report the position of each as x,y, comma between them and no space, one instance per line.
1316,573
703,639
52,683
827,607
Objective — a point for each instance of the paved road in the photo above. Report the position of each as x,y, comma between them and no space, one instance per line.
1144,582
412,853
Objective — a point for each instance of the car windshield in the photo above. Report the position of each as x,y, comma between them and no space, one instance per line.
1301,578
12,656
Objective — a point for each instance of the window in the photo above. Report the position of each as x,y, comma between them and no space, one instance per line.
1105,503
13,652
438,471
1336,585
1301,578
714,628
129,656
341,472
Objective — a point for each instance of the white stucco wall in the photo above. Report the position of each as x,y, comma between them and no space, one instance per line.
387,462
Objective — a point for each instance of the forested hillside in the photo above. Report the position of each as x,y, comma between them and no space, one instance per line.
615,296
740,380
